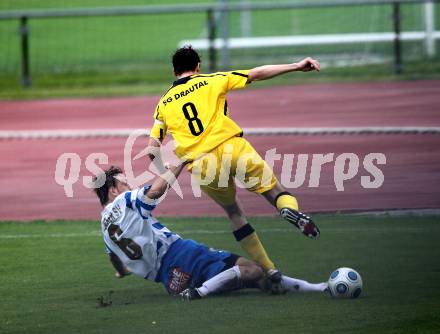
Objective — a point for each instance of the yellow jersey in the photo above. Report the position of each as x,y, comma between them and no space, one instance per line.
195,112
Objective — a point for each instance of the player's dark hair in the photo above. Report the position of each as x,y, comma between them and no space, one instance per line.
110,181
185,59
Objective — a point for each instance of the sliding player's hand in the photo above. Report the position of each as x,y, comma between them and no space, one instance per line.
122,275
308,64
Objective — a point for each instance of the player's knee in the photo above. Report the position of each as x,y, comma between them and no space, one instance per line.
251,272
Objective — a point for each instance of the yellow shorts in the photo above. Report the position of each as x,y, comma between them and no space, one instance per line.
235,158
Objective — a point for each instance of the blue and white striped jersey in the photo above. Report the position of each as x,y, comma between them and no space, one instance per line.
134,235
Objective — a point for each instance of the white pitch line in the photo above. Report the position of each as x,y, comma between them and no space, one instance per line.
202,232
50,235
97,234
96,133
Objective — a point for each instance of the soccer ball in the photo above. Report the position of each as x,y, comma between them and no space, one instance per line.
345,283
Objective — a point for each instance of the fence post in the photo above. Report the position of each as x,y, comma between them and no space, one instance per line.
245,20
225,55
212,53
398,67
429,21
24,36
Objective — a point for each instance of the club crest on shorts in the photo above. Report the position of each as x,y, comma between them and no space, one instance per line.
178,281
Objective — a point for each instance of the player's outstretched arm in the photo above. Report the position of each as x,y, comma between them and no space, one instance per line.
161,183
269,71
154,154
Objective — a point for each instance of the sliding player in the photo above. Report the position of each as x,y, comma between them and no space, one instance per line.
138,243
195,112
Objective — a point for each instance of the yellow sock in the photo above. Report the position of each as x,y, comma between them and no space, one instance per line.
252,245
286,200
249,241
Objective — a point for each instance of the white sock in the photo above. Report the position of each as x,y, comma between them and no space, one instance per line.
226,280
298,285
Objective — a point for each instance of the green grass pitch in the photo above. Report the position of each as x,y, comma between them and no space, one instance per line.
130,55
109,44
53,273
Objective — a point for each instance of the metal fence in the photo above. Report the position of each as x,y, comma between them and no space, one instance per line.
212,28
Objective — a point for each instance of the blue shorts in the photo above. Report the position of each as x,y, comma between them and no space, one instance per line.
189,264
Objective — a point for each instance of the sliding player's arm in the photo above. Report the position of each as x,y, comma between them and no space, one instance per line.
154,145
269,71
163,182
145,199
121,270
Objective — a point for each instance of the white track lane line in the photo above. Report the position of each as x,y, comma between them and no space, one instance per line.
94,133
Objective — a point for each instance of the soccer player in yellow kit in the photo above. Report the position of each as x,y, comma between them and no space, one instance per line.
195,112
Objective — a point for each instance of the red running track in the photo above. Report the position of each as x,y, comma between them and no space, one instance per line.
362,104
411,175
